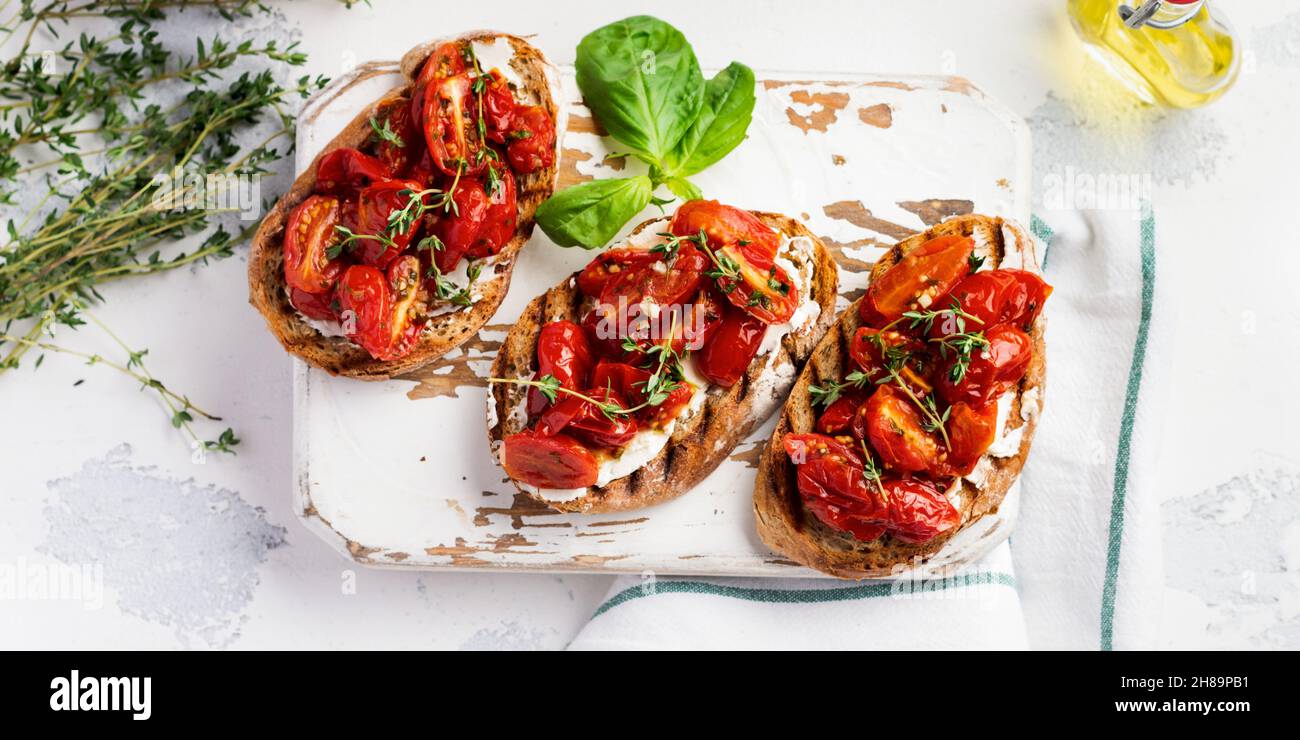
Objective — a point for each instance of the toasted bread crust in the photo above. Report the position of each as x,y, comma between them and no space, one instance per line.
790,529
339,356
700,444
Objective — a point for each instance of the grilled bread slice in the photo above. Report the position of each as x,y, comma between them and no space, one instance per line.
538,84
790,529
704,439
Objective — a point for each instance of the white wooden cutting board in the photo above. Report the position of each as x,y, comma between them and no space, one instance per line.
399,473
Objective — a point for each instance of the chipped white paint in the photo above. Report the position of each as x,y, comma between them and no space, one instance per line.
375,470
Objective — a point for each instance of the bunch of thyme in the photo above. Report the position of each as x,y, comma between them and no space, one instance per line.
90,127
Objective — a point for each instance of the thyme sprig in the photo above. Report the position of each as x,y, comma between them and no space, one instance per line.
95,147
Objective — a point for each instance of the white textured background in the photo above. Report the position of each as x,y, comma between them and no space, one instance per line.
210,555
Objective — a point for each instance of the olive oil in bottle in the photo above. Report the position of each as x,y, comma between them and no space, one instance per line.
1175,52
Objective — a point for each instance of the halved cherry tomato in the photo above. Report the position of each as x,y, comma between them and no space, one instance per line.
313,305
665,283
727,354
923,276
585,420
629,381
366,308
531,139
409,306
610,264
450,129
307,239
765,292
839,415
375,205
458,228
500,221
562,352
995,297
992,371
400,160
448,60
677,399
499,107
346,170
601,326
724,225
918,511
559,461
896,434
802,448
970,432
840,495
871,349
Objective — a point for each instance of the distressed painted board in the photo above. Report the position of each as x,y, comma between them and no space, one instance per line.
399,473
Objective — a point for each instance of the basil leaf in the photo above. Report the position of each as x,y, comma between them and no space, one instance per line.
590,214
641,79
724,119
683,188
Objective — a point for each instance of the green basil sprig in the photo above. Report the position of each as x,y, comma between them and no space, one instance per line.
640,78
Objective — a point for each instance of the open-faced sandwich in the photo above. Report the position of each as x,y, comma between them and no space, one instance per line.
397,244
915,413
630,381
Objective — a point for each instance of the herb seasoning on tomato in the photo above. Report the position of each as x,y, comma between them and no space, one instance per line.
434,187
657,330
940,343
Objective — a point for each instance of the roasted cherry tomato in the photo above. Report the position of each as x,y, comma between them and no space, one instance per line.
918,512
586,421
610,264
871,349
314,305
499,223
446,61
725,225
629,381
531,139
993,370
766,293
802,448
450,129
994,297
917,281
896,434
840,495
665,283
562,352
307,239
601,326
837,417
375,205
559,461
499,107
409,307
458,228
677,399
346,170
652,302
970,432
400,159
727,354
366,308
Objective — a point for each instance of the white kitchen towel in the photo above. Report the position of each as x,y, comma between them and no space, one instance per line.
1086,550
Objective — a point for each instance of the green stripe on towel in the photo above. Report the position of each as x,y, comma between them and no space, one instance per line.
901,589
1044,234
1116,535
